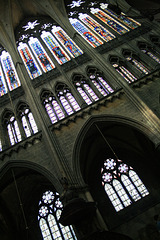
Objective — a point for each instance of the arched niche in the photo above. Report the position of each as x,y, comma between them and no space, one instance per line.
21,188
131,142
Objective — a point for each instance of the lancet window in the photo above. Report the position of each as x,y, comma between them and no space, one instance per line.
50,208
0,146
82,16
84,88
12,127
99,81
150,51
121,183
101,31
66,98
27,119
41,42
136,61
129,22
90,37
9,79
109,21
122,69
52,107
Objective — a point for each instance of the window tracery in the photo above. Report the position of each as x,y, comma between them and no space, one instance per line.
50,208
96,27
99,81
90,37
84,89
120,67
12,127
121,183
35,37
150,51
52,107
66,98
129,22
135,61
109,21
27,119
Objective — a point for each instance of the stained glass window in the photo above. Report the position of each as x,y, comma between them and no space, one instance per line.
67,42
67,100
29,61
85,33
12,128
57,51
150,51
3,87
0,146
135,61
9,71
52,107
96,27
109,21
120,67
50,208
100,83
129,22
41,54
28,122
121,183
84,89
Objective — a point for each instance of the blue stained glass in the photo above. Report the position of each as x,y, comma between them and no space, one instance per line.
3,88
96,27
59,54
67,42
111,22
42,56
129,22
29,61
9,70
86,33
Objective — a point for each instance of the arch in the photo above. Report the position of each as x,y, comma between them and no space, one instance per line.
141,128
32,166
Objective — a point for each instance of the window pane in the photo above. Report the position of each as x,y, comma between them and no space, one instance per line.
54,228
66,105
96,27
29,61
59,54
129,22
3,87
85,33
113,197
26,127
44,229
73,102
66,41
10,71
138,183
109,21
41,55
131,189
121,193
32,123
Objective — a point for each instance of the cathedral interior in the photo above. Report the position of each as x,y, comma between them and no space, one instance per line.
79,120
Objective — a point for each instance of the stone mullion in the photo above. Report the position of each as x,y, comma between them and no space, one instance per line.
40,119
